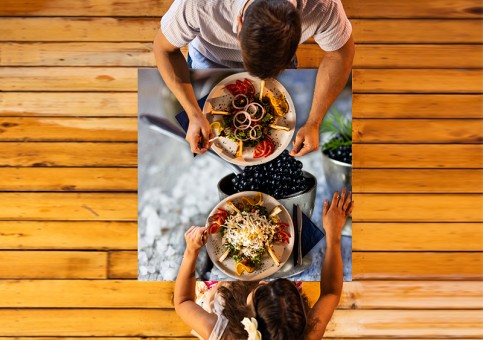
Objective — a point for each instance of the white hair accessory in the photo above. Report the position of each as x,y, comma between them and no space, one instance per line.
251,326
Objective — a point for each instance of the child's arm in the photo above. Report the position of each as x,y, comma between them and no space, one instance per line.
184,291
334,217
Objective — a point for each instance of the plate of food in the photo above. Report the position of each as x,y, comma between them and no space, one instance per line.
251,236
253,120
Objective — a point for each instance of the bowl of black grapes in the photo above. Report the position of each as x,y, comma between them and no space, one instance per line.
283,178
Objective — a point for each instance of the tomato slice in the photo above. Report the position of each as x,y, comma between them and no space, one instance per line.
233,89
260,149
213,228
250,87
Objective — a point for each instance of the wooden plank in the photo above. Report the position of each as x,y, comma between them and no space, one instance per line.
55,104
134,294
417,236
146,322
416,266
417,181
40,154
144,29
416,106
417,131
68,79
68,129
428,56
52,265
417,156
77,54
123,265
413,9
310,55
78,29
68,206
68,235
85,8
417,31
367,9
68,179
416,81
418,208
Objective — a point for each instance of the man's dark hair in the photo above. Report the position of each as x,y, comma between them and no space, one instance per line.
269,37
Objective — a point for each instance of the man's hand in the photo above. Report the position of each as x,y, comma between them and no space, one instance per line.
306,141
335,214
199,133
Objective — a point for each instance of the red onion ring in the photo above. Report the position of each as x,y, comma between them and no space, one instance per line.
253,114
254,129
242,124
235,98
238,138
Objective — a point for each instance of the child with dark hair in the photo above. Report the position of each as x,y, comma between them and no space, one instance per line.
264,310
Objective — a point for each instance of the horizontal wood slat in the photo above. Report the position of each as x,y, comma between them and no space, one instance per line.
417,156
78,29
416,31
68,79
68,154
134,294
69,129
416,106
418,56
144,29
69,206
367,9
68,104
417,181
68,179
123,265
417,236
52,265
141,55
417,131
142,322
417,208
77,54
68,235
416,81
404,265
85,8
413,9
367,265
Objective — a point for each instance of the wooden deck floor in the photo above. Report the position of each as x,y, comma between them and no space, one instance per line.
68,181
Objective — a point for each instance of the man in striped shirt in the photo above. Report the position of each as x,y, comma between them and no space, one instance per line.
260,36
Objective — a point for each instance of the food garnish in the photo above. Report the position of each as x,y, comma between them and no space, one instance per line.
250,116
248,231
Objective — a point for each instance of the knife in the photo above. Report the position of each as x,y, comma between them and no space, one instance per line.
300,225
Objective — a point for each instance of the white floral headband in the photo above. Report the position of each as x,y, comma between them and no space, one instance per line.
251,326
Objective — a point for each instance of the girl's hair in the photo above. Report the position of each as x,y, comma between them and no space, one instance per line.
280,309
235,308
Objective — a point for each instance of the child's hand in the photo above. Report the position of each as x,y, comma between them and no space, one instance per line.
195,238
335,214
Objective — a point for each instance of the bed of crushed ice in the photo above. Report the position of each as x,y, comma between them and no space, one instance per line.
177,190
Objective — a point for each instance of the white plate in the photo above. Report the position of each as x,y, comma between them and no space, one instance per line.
219,99
267,267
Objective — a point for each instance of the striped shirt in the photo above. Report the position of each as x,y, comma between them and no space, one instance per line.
210,28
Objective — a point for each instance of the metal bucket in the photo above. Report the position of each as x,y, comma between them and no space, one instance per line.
337,174
305,199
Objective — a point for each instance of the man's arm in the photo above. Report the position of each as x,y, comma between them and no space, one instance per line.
331,79
173,68
184,291
331,279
